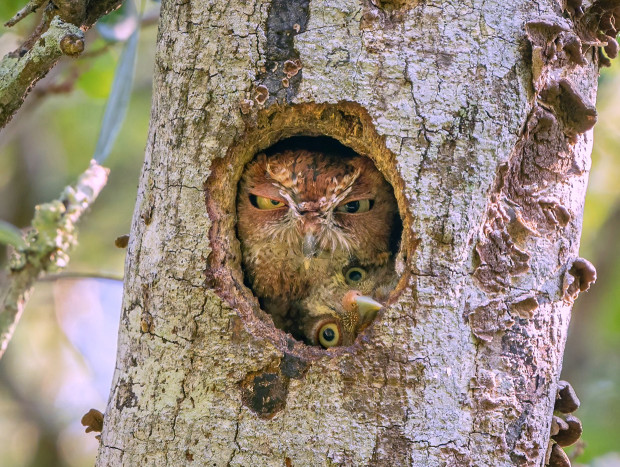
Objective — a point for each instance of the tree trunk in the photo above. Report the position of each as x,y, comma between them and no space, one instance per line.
479,114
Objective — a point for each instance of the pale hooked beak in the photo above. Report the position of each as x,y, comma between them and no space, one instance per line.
367,307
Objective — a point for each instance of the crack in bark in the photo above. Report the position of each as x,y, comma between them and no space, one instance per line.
235,441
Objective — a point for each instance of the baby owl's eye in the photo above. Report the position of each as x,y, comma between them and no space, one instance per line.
354,275
261,202
357,206
329,335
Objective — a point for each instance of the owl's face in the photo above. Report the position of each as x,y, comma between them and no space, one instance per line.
314,205
339,323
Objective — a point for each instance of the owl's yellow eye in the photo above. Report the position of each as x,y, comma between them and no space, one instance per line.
261,202
354,275
329,335
356,207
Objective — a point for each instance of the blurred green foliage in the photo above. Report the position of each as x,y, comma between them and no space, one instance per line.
96,78
46,380
8,8
49,143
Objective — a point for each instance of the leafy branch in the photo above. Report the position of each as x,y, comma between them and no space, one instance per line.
53,228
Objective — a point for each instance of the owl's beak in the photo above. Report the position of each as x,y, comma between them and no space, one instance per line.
309,245
367,308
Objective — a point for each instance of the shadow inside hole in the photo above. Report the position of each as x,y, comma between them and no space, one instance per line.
319,231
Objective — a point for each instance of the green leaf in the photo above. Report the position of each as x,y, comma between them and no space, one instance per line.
96,82
10,235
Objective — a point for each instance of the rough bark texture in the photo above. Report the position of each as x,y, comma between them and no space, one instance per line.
19,74
479,114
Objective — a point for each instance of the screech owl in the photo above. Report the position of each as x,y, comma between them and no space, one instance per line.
302,216
337,309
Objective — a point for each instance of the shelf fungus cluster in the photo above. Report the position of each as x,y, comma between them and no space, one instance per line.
528,200
566,429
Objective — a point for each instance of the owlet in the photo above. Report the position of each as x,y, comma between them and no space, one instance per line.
336,310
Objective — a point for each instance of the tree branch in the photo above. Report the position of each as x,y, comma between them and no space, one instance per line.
65,36
81,276
33,5
19,74
98,8
53,233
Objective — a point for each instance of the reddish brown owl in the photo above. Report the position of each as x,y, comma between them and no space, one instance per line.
303,216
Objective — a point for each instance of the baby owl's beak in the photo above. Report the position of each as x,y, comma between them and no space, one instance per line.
367,307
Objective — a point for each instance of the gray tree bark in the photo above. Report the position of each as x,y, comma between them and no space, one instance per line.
479,114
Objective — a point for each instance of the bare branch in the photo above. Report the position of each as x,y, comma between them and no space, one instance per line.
32,6
98,9
52,235
82,276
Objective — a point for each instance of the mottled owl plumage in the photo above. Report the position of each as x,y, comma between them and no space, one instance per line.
344,304
303,216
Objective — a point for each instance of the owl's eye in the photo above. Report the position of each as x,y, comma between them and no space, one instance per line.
261,202
354,275
357,206
329,335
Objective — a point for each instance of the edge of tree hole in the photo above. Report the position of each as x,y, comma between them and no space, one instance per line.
346,122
